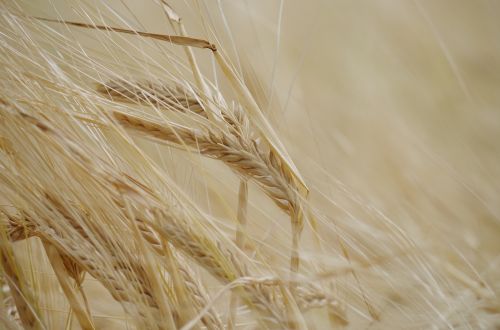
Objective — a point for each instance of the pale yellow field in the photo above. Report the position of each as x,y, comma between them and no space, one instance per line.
386,112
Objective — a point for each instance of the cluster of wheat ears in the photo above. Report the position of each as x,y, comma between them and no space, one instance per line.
80,181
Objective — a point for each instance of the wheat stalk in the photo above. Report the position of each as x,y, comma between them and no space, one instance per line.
76,302
19,288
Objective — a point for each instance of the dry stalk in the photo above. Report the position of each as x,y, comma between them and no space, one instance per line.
240,243
76,302
7,305
212,113
177,40
19,288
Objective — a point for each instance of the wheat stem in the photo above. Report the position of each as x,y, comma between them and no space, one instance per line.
19,288
77,305
240,242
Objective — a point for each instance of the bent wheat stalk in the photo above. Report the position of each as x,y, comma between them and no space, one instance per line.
178,40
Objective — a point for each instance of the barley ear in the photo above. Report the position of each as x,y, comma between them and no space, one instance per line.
260,121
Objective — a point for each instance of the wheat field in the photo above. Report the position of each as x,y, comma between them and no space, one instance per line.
236,164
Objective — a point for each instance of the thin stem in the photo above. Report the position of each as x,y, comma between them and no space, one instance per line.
21,293
297,226
370,308
240,242
76,303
